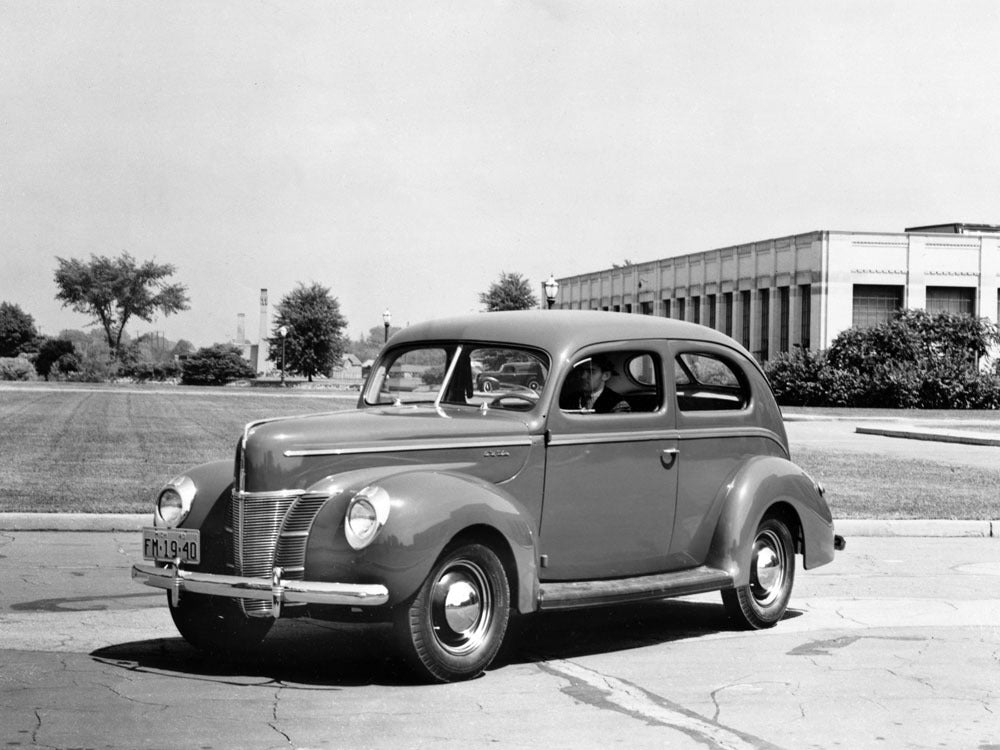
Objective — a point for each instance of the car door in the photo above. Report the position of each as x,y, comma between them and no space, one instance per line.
611,478
720,426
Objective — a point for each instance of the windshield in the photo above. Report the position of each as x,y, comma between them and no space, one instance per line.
459,373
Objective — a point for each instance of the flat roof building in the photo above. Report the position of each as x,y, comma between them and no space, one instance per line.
803,290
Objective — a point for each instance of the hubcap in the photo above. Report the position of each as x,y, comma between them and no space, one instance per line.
767,572
461,607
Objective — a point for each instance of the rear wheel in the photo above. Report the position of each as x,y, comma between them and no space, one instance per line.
454,626
217,625
762,602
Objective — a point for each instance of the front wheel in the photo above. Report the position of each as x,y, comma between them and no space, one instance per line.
762,602
454,626
217,625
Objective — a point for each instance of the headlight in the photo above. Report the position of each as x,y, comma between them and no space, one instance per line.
174,502
366,514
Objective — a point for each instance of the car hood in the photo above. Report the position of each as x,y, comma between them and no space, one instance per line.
297,452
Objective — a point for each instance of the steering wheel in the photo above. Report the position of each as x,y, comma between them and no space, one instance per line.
529,397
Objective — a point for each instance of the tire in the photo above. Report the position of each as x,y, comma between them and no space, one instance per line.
454,626
534,385
488,386
762,602
217,625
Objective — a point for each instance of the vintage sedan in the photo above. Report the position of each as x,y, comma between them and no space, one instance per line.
446,511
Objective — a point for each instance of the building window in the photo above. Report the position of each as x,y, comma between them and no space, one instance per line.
784,318
646,308
805,324
875,304
957,300
765,323
696,309
681,309
711,311
727,312
666,307
745,332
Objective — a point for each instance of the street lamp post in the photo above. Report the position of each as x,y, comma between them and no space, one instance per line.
386,320
283,332
551,287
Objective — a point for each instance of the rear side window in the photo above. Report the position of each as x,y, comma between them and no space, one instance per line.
709,383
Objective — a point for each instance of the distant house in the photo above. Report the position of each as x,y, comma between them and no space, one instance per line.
349,372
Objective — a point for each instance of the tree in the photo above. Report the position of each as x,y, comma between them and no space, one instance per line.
216,365
368,347
315,342
510,292
115,290
17,330
58,354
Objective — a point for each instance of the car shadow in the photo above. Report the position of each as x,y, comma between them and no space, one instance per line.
314,655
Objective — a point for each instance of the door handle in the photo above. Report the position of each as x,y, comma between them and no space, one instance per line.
669,457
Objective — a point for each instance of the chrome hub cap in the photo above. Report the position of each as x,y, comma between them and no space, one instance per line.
767,572
461,607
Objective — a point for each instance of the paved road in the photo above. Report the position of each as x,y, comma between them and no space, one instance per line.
897,644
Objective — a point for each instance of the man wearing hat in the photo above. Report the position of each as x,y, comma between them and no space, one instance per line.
591,392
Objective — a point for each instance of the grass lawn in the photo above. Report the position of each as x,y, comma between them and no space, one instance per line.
863,485
108,450
101,449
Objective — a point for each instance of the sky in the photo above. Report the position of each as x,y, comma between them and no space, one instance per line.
404,155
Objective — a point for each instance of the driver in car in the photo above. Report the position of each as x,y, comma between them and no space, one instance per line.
587,389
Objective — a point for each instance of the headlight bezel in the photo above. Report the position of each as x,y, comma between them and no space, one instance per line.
361,530
180,491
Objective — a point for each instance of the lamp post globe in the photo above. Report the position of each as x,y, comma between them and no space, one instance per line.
551,287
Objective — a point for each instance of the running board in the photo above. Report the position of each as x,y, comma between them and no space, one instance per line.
577,594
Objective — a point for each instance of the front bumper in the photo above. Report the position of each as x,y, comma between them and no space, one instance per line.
275,590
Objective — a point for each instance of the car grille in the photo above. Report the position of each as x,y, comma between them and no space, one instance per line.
268,530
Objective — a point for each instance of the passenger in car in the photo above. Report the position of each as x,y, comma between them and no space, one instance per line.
586,390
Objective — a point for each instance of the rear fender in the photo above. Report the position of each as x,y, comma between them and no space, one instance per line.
429,509
767,485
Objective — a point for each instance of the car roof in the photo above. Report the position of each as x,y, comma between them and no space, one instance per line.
558,331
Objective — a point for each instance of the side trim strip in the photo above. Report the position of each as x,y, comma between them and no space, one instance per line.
409,447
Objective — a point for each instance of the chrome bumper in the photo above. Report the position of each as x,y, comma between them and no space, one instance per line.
275,590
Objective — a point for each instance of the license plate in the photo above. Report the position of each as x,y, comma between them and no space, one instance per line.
170,544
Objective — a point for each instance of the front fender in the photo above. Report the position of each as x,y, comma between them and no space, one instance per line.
213,486
769,484
429,508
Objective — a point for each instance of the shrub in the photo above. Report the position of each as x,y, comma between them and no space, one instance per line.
916,360
215,365
16,368
58,355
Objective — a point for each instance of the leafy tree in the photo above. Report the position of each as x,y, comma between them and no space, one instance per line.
17,330
315,342
56,354
368,347
216,365
182,348
510,292
115,290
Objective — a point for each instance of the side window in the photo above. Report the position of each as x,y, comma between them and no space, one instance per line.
708,383
612,383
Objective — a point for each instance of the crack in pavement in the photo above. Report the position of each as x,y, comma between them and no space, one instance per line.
610,693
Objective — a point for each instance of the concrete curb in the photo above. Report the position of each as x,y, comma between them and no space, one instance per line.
847,527
74,521
940,436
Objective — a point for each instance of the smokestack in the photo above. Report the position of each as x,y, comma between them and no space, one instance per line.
241,328
262,340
